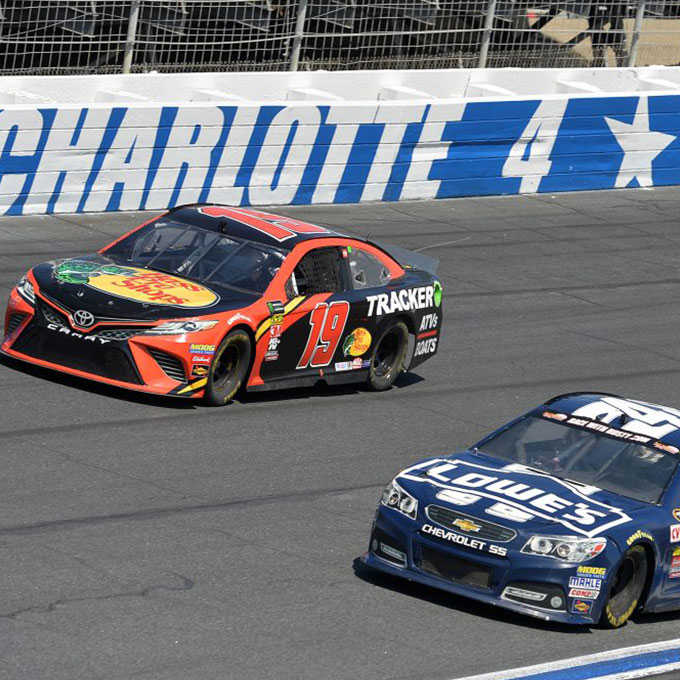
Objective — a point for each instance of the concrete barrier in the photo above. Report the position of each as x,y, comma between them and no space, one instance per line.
104,143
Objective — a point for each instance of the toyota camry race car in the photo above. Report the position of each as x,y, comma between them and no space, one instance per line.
570,513
207,298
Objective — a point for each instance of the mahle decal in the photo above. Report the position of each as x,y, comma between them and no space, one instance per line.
357,343
133,283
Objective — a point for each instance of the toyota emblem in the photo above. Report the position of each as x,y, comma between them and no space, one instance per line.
83,318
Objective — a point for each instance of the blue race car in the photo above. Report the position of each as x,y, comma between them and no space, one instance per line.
569,513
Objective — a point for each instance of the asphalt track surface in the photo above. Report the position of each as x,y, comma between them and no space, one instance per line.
146,538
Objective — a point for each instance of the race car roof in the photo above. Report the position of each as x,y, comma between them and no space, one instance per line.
630,415
283,232
252,225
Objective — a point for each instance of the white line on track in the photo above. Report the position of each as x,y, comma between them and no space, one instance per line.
641,672
613,654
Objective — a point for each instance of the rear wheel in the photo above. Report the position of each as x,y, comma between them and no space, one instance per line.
388,357
626,588
229,368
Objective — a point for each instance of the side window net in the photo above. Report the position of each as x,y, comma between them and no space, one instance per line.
319,271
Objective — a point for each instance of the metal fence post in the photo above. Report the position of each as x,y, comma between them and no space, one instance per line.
486,33
299,35
131,36
637,29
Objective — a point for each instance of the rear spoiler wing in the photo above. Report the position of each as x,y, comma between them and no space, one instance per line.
408,258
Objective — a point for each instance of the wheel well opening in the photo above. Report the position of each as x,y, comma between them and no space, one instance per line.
250,333
409,323
651,562
410,327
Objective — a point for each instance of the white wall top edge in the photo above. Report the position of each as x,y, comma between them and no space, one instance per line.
305,87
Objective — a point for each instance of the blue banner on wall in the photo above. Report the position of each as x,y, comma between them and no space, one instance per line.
127,158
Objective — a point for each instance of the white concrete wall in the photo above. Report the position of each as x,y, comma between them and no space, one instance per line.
97,143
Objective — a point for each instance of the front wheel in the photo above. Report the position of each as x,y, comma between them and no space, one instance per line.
388,357
626,588
229,368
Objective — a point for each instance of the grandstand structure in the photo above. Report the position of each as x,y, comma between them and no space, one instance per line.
103,36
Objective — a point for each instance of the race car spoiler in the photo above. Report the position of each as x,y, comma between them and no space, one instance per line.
409,258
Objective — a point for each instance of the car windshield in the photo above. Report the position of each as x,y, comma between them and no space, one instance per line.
629,468
201,255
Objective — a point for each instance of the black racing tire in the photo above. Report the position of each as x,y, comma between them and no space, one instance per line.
229,368
623,596
388,357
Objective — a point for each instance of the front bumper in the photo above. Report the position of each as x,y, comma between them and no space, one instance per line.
486,576
131,363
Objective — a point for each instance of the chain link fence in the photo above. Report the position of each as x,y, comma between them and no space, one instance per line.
95,36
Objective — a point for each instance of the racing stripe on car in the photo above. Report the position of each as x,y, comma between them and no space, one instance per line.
264,326
192,387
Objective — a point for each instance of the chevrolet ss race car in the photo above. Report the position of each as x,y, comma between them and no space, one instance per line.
207,298
570,513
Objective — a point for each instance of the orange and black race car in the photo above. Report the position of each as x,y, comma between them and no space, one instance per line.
207,298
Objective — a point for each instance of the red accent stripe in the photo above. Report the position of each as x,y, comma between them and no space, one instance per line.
428,334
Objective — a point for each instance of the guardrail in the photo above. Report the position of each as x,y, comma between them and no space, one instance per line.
132,153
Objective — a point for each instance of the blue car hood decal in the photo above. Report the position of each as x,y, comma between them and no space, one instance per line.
522,497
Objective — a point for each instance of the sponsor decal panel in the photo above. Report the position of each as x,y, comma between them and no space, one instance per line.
199,371
551,415
134,283
404,300
524,490
585,582
425,347
239,317
675,533
466,541
676,514
353,365
201,353
593,572
581,606
276,308
639,535
357,343
429,322
585,593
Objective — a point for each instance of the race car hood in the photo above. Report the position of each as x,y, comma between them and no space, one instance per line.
109,290
516,496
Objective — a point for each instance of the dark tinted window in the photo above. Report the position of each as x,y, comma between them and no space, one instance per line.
622,467
366,270
199,254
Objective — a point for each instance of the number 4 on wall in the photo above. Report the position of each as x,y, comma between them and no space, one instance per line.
529,157
328,323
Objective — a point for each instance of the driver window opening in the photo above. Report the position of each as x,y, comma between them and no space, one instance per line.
319,271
